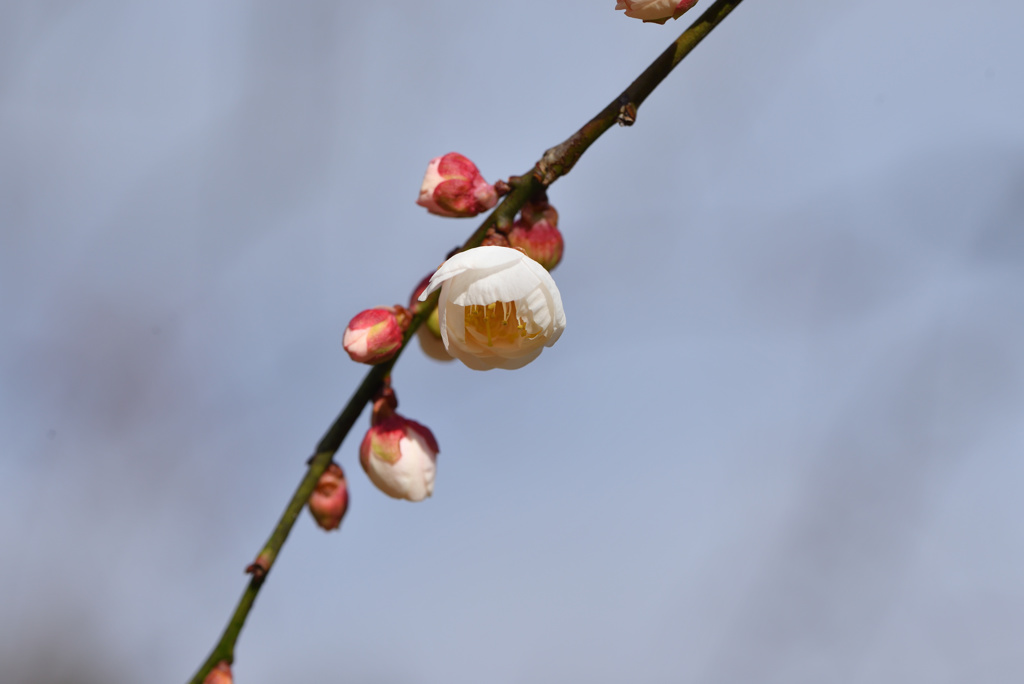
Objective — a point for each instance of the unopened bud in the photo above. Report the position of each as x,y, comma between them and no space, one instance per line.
429,334
414,299
536,234
329,499
433,325
454,187
375,335
220,674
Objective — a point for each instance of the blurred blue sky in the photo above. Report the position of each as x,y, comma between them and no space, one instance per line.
779,441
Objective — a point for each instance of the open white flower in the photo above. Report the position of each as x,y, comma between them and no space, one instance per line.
498,308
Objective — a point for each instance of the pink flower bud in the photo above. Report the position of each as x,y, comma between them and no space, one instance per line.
454,187
221,674
414,299
329,499
399,456
375,335
536,233
655,11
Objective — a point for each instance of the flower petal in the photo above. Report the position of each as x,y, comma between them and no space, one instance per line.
506,285
482,259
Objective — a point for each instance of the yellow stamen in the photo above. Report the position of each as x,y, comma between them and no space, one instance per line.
495,326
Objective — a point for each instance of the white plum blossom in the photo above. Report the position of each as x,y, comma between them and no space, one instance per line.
655,11
498,308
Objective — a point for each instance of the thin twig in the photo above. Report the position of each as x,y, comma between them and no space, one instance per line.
555,163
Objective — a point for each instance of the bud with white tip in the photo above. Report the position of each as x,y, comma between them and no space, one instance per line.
399,455
375,335
454,187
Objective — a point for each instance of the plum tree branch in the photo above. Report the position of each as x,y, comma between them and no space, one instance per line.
555,163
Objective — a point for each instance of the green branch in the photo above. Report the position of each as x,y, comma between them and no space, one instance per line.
555,163
560,159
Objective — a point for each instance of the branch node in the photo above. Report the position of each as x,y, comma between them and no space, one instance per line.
554,163
627,112
495,238
260,567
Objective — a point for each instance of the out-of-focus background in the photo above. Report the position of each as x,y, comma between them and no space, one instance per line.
780,440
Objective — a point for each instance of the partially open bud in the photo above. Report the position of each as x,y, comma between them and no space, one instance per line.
399,455
536,233
221,674
329,500
655,11
375,335
454,187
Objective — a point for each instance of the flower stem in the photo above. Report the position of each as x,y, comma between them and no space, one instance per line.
555,163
